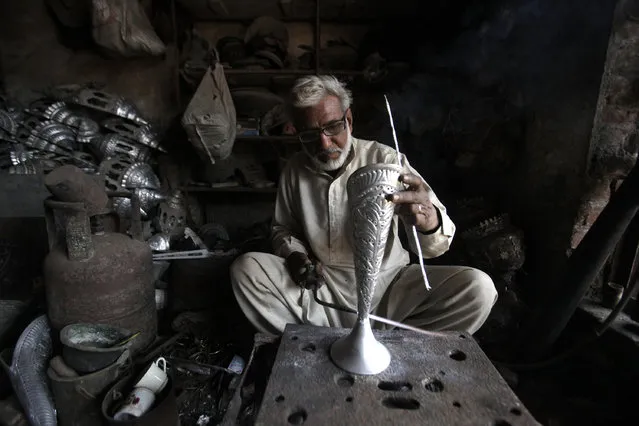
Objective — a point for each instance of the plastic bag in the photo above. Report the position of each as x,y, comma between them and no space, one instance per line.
209,119
122,27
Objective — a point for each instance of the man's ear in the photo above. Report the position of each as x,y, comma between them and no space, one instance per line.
349,119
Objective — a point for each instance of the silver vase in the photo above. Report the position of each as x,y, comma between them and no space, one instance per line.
359,352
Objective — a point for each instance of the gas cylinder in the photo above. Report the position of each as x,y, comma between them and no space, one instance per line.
97,276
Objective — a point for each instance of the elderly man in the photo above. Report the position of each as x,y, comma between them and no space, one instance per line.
310,230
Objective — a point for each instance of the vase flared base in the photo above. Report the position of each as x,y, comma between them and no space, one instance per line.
359,352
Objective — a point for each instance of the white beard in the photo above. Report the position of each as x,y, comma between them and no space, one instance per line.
332,165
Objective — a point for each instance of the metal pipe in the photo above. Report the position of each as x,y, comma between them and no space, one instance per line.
582,268
27,372
628,293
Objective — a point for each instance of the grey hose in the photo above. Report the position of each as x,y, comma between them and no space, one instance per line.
28,372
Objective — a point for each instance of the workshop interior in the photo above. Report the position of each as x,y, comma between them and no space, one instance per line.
142,146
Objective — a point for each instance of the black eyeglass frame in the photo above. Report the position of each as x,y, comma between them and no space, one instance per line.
315,134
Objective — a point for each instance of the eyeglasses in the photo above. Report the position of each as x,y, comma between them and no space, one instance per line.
332,129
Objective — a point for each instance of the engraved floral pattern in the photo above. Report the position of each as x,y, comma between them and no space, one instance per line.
372,217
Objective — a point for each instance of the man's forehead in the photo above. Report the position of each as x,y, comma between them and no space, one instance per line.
329,109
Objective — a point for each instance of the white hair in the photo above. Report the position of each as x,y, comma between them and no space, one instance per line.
308,91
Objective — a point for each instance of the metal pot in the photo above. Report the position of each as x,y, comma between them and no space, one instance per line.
91,347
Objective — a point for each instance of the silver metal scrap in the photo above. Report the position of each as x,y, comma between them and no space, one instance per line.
124,172
87,131
113,144
143,134
106,102
55,133
7,124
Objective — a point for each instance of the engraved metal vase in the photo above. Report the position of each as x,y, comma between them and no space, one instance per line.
371,215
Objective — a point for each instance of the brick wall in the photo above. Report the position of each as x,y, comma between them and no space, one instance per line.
614,142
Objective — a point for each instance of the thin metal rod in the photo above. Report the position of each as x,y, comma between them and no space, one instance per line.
377,318
413,228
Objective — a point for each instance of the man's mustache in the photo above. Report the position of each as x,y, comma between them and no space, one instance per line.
330,151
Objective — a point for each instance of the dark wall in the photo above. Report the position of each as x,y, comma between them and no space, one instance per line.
498,101
33,58
505,110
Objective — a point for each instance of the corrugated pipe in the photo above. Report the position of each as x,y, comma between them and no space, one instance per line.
29,360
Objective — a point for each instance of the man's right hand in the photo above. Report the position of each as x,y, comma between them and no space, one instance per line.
303,271
298,264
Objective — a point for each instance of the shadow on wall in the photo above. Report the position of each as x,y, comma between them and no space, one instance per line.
505,110
32,58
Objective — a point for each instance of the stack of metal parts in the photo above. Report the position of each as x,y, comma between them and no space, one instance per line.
98,132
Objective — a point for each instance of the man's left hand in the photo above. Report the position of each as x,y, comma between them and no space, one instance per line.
414,205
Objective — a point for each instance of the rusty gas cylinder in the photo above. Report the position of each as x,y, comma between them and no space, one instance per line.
94,276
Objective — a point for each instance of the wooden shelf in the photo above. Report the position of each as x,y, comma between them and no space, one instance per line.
303,19
232,71
261,138
230,189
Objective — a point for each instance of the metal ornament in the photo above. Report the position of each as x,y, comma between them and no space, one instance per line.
8,125
143,134
39,106
87,130
61,113
113,144
372,215
27,168
106,102
122,172
47,135
20,155
160,242
171,217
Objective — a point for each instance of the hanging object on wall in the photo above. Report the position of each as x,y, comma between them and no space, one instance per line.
122,28
209,119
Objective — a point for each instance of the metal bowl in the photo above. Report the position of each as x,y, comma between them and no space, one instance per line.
91,347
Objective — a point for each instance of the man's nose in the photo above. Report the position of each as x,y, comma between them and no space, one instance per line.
325,141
